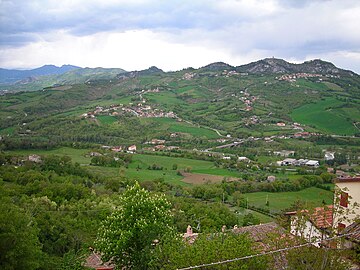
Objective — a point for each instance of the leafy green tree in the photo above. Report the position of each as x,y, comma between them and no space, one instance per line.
127,236
174,252
313,258
250,219
19,243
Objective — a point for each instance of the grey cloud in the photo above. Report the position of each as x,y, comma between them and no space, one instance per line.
294,29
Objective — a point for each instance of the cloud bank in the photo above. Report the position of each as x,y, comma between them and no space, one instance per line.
135,34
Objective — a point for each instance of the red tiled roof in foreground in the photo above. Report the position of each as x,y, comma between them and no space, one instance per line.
322,217
347,179
354,229
259,232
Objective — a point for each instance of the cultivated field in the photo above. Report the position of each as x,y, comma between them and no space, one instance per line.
282,200
328,115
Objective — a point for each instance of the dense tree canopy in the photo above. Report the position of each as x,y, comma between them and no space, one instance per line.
127,236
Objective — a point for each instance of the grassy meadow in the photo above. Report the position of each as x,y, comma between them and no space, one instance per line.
282,200
329,115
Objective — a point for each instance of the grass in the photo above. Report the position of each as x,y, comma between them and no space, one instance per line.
182,127
106,119
167,162
217,171
282,200
262,218
77,155
165,98
326,116
9,130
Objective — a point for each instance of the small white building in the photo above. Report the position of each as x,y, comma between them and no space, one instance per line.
132,148
312,163
243,159
288,162
34,158
329,156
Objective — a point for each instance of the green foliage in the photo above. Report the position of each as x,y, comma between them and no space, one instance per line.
127,235
20,247
250,219
312,258
203,217
175,253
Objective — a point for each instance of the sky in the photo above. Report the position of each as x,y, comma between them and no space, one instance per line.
176,34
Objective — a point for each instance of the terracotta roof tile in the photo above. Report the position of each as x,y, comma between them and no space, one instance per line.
354,229
259,232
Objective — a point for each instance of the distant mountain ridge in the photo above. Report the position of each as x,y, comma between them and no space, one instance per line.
146,72
49,75
10,76
278,66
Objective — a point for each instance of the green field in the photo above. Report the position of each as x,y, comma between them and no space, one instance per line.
106,119
217,171
77,155
282,200
328,116
168,176
143,161
182,127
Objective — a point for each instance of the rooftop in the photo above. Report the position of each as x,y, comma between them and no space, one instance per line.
354,230
347,179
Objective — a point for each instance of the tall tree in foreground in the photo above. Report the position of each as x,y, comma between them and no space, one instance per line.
19,243
128,235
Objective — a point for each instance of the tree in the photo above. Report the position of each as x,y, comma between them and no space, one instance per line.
174,253
19,243
127,236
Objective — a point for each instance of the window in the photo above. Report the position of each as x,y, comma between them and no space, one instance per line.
341,226
344,198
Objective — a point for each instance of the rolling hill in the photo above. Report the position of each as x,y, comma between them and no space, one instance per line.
47,76
10,76
195,106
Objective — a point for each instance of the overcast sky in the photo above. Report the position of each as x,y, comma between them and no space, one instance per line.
175,34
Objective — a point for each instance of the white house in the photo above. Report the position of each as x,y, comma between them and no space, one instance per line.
288,161
312,163
34,158
245,159
132,148
329,156
312,225
349,194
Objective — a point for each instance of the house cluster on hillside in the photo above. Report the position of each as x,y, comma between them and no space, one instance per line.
248,100
189,75
298,162
293,77
100,110
139,110
147,111
129,149
228,73
161,147
253,120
